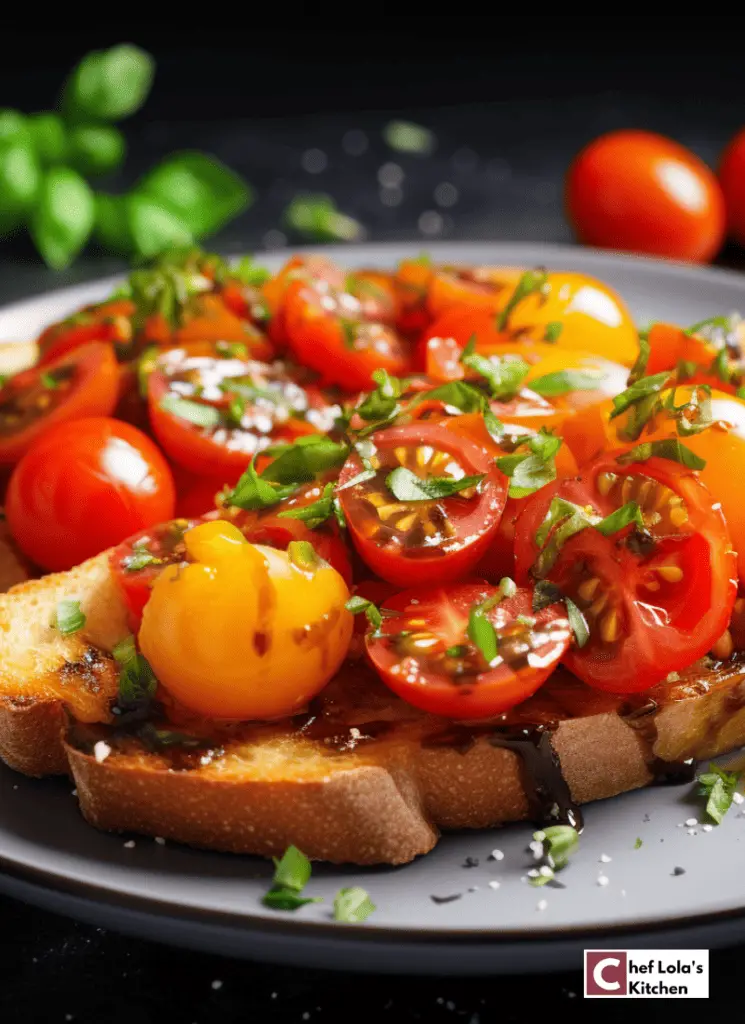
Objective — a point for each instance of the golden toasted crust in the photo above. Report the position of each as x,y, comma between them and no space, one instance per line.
372,785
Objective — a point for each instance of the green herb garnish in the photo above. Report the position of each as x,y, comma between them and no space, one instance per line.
303,460
719,787
532,282
205,416
668,448
407,486
357,605
639,369
563,382
553,331
291,875
303,556
532,469
254,492
352,905
70,619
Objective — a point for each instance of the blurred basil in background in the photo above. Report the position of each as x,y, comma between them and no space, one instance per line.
47,159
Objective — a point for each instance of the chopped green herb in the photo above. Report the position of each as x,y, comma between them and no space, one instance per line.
231,350
643,388
668,448
70,619
457,651
145,365
706,327
125,650
407,486
529,471
249,273
205,416
137,683
481,632
352,905
563,382
382,403
316,217
562,521
559,843
638,843
504,375
532,282
639,369
291,875
317,512
287,899
253,491
357,605
577,622
303,556
236,410
720,366
507,587
139,559
303,460
620,519
553,331
719,787
693,416
48,381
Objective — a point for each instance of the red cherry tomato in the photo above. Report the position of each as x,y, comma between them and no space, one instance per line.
328,332
406,541
655,599
83,487
212,415
84,382
298,268
645,193
424,654
109,321
732,179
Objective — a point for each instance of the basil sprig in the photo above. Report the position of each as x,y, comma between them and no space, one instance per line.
559,843
532,282
503,374
533,468
291,874
719,787
407,486
668,448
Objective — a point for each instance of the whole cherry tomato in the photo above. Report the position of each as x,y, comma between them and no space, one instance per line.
84,486
732,179
645,193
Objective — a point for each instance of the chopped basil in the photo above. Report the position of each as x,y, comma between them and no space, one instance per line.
720,366
317,512
481,632
638,843
718,787
694,415
559,843
407,486
236,410
620,519
708,326
668,448
553,331
408,137
349,330
562,521
124,650
253,491
529,471
458,394
639,369
565,381
503,374
303,556
291,875
684,370
302,461
155,739
382,403
137,683
70,619
577,622
643,388
352,905
139,559
145,366
531,282
206,416
48,381
357,605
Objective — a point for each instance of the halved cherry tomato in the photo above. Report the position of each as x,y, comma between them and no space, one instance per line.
424,654
138,561
715,358
421,540
721,446
212,415
655,599
298,268
83,382
327,331
645,193
376,294
84,486
732,180
485,288
108,321
412,281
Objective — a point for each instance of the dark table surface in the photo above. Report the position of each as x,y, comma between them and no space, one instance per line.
496,174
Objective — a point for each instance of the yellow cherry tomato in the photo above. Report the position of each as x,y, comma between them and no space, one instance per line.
593,317
244,631
722,446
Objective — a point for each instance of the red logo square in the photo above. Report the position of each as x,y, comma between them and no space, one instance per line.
605,973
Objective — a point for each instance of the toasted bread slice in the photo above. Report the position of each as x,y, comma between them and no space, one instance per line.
362,777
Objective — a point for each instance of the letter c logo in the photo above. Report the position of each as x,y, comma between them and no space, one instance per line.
597,974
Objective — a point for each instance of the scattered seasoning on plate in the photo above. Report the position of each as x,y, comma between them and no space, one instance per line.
494,884
605,859
678,871
471,862
541,904
446,899
707,828
496,855
690,822
603,880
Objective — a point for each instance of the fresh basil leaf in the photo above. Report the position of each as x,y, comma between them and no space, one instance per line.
553,331
407,137
316,513
125,650
317,218
292,870
504,375
137,683
111,224
562,521
577,623
48,137
357,605
20,181
140,558
457,394
108,85
302,461
668,448
620,519
303,556
695,415
481,632
531,470
719,788
96,149
382,403
287,899
205,416
254,492
70,619
720,366
643,388
532,282
199,190
407,486
157,739
48,380
565,381
559,843
639,369
155,228
638,843
62,219
352,905
708,326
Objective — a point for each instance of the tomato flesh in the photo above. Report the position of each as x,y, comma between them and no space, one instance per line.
110,322
418,540
424,654
655,599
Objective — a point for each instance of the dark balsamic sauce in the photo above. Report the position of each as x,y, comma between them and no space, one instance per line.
642,718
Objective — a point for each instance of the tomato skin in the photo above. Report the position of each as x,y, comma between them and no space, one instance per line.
671,345
108,322
83,487
647,649
473,532
297,268
444,611
319,339
732,180
93,391
645,193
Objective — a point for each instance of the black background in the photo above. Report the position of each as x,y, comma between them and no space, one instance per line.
510,98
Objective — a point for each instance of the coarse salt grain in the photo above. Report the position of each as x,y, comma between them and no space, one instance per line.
690,822
603,880
692,831
101,751
605,859
494,884
737,798
496,855
216,984
708,828
129,845
160,840
541,904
